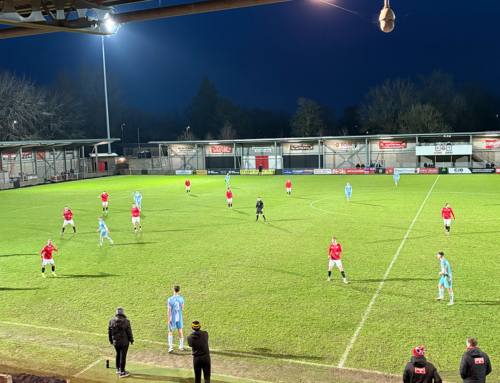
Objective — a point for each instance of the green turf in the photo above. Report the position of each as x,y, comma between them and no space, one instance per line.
259,288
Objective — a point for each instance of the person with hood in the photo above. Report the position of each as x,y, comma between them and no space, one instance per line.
418,370
198,341
475,364
120,335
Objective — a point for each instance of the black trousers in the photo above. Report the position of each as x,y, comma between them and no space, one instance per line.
121,357
201,363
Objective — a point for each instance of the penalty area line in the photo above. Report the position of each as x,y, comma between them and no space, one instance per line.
370,305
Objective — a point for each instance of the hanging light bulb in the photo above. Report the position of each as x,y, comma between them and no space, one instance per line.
386,18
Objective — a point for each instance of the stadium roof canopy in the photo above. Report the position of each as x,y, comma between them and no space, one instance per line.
444,136
49,144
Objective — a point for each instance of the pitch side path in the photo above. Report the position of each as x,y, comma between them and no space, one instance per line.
259,289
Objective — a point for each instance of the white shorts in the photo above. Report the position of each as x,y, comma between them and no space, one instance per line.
188,187
70,222
229,200
288,190
447,222
105,203
47,261
332,263
136,219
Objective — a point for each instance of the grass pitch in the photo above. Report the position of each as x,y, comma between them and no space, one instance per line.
260,288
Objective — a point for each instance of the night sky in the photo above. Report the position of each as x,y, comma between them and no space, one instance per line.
270,55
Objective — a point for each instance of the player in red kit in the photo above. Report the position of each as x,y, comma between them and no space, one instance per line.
46,255
68,219
446,214
229,196
288,186
334,256
135,217
105,198
188,186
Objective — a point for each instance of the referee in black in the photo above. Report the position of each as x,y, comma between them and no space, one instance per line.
259,208
198,341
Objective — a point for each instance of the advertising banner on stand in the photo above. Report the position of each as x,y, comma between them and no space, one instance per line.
379,171
406,170
298,171
356,171
497,170
322,171
482,170
427,171
254,172
392,145
301,147
201,172
443,150
338,171
341,146
222,149
459,171
183,172
492,144
263,149
389,170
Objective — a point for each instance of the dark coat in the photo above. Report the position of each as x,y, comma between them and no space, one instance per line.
198,341
418,370
475,365
120,331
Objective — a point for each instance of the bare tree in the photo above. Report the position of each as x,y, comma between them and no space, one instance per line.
227,132
423,119
209,137
187,135
307,120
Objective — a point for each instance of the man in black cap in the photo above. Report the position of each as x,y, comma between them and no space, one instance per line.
418,370
120,335
475,364
198,341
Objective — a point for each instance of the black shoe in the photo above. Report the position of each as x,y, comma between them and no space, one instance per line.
124,374
118,371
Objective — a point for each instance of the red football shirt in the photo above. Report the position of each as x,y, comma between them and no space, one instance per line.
288,184
335,251
188,183
46,252
104,197
135,212
229,194
67,215
447,212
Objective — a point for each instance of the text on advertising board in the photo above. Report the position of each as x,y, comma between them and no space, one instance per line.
392,144
258,149
222,149
346,146
301,147
492,144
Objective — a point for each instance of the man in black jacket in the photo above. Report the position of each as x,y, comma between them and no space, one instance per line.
198,341
120,335
475,363
418,370
259,209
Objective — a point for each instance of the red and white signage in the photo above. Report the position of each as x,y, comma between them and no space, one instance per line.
497,170
222,149
492,144
345,146
427,171
392,144
338,171
355,171
420,370
479,360
389,170
323,171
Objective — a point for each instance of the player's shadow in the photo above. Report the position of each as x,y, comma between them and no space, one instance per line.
15,255
19,288
390,280
278,228
165,378
241,212
478,303
193,195
299,197
265,353
367,204
100,275
279,271
133,243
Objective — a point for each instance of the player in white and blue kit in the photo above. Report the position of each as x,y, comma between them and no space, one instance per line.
348,191
227,180
138,199
446,279
175,309
396,177
104,232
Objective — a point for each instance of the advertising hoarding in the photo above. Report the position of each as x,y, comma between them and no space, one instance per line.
392,144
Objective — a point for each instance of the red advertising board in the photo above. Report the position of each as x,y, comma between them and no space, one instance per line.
492,144
392,144
355,171
428,171
222,149
338,171
497,170
389,170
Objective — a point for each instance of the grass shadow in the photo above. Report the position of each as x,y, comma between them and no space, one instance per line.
100,275
392,280
132,243
266,353
16,255
19,288
367,204
240,212
478,303
278,228
193,195
165,378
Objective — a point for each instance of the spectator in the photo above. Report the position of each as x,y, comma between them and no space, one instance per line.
260,169
425,164
492,165
120,335
198,341
362,165
418,370
72,171
475,364
358,165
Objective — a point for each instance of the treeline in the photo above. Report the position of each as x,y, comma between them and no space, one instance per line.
73,107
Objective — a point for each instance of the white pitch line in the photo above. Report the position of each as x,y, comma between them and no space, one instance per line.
368,309
87,368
